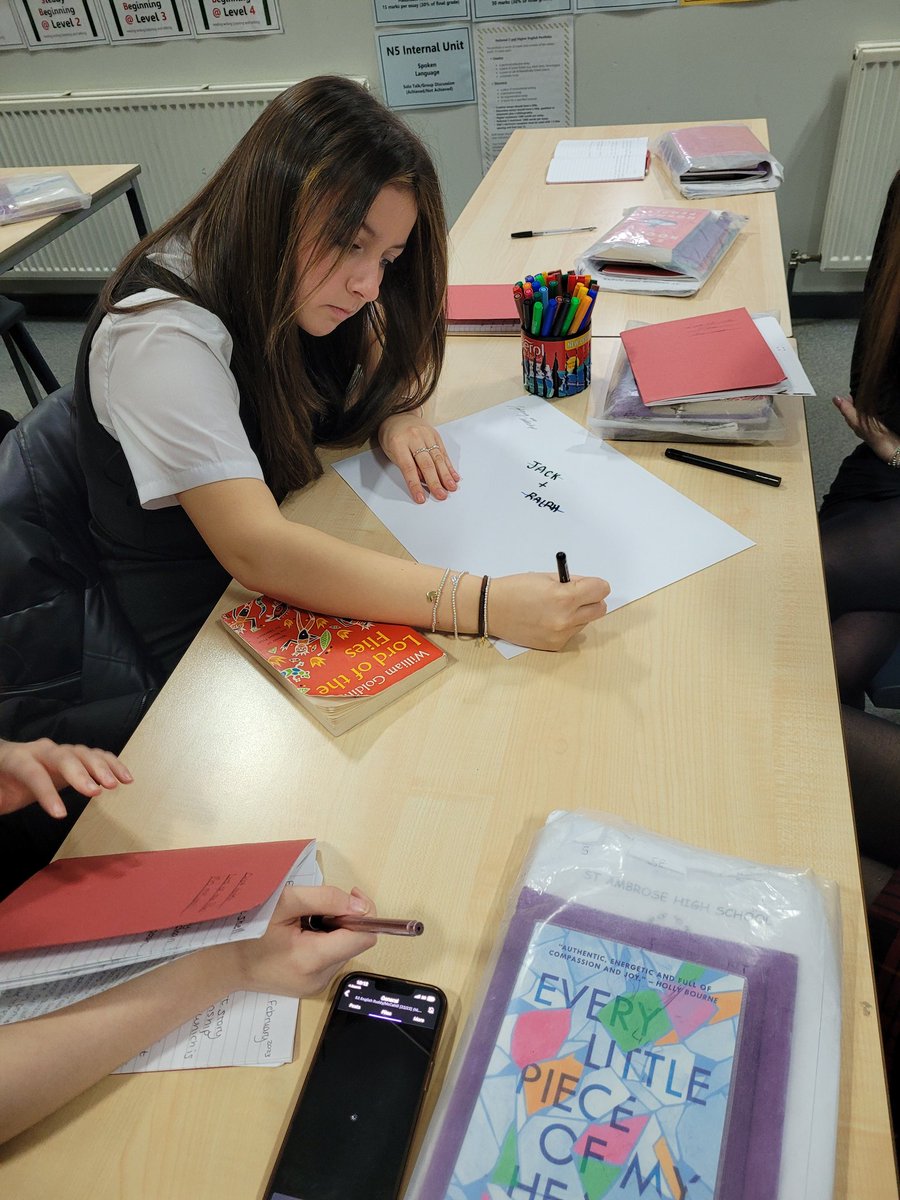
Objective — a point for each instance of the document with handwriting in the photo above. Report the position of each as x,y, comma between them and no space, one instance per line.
245,1029
535,482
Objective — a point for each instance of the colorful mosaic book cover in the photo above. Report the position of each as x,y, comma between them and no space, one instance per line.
611,1077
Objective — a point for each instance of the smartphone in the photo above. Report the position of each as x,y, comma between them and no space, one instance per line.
350,1134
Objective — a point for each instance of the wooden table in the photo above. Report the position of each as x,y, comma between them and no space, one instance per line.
706,711
104,183
513,196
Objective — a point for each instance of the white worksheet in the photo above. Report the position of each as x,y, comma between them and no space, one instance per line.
535,482
598,160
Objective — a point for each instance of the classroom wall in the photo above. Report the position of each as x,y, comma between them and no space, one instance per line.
786,60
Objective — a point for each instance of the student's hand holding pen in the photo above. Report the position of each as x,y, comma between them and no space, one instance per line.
416,447
539,611
290,961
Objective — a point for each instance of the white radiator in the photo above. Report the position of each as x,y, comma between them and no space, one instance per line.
866,158
178,136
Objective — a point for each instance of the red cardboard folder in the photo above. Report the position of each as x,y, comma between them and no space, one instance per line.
113,895
717,352
481,302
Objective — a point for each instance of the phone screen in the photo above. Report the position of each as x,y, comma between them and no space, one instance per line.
351,1131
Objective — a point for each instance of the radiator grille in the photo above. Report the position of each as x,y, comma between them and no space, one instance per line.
866,158
179,137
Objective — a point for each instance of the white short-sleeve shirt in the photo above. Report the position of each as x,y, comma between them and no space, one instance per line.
161,385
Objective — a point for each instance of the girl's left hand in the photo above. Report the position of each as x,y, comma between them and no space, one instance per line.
418,450
881,440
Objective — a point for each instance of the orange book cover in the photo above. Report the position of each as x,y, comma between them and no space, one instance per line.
342,670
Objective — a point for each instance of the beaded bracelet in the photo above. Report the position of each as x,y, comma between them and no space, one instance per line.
484,614
894,460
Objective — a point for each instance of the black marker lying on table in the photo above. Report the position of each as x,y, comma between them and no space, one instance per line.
363,925
714,464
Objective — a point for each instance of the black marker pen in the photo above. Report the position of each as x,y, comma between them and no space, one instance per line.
714,464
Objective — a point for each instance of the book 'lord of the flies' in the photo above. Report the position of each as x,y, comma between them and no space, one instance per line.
341,671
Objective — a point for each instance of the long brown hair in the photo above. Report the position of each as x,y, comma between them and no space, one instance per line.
876,392
306,174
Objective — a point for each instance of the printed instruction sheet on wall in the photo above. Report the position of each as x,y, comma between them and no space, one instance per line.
526,79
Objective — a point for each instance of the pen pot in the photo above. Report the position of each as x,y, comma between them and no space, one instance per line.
556,367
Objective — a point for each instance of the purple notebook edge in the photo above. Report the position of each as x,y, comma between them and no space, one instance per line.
755,1122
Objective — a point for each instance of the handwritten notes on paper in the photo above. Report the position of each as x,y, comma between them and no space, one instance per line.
535,482
245,1028
598,160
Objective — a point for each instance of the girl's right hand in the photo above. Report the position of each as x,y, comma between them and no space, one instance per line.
288,961
538,611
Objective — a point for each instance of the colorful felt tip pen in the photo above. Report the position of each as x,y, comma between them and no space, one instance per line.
316,924
562,566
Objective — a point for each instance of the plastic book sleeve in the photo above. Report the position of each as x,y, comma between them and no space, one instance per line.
41,194
656,1019
618,413
718,160
660,250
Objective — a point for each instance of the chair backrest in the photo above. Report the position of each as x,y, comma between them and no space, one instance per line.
70,664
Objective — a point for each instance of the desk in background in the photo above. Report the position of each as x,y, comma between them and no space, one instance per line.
104,183
706,711
513,196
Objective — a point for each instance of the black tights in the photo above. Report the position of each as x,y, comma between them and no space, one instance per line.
861,555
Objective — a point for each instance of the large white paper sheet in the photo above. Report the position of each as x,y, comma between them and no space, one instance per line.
535,482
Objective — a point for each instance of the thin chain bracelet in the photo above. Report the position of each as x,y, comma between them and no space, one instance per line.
487,588
454,584
435,598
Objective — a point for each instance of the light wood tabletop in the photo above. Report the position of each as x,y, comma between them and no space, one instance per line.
513,196
103,182
706,711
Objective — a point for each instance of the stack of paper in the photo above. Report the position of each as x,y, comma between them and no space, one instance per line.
700,379
83,925
598,160
710,357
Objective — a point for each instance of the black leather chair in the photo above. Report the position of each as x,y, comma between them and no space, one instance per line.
70,665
